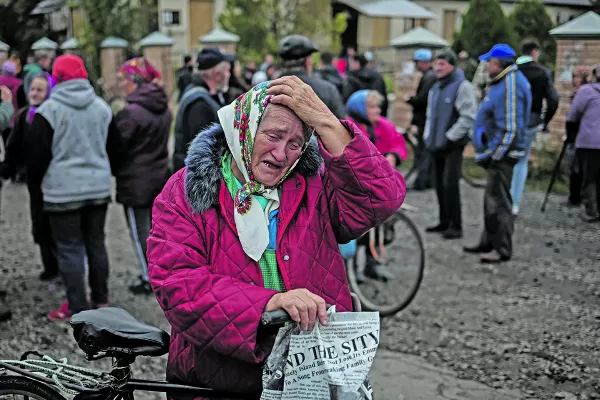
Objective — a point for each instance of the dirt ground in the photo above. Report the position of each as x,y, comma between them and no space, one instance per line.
531,325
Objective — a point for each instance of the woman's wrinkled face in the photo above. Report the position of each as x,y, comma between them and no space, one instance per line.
373,109
277,145
38,91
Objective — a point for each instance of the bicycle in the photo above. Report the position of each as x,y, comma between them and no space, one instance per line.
402,236
106,332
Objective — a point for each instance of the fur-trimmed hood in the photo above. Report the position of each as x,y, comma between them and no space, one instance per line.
203,162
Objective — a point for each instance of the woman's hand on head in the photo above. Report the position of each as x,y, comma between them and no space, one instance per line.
291,92
303,307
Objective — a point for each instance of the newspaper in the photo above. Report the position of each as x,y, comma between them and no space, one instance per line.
331,362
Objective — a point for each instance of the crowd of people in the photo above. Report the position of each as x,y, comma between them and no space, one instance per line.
66,143
272,169
511,98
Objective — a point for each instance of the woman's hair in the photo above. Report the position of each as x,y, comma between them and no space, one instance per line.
582,72
374,94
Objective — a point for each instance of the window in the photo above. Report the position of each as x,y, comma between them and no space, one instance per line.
170,17
449,24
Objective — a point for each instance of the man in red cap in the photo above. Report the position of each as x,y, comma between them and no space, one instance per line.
75,130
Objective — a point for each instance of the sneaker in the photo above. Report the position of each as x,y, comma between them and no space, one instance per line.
515,210
142,288
440,228
48,275
62,314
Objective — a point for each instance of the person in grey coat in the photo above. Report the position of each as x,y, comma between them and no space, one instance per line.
451,111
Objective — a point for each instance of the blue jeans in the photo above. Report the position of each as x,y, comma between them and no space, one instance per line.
521,168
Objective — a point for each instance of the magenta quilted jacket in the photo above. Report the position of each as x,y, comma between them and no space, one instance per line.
211,291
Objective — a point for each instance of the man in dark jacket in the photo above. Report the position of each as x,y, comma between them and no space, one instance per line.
361,76
142,165
295,52
418,102
328,72
541,88
451,110
201,100
184,75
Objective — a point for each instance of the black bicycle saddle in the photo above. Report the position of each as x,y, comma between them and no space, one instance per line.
113,330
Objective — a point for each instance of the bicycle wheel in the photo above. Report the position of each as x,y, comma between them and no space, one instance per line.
412,151
27,388
406,261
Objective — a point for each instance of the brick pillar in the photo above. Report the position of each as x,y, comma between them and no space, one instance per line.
157,50
405,83
112,56
228,47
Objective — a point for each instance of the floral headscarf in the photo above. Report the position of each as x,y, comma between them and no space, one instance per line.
240,122
139,70
51,83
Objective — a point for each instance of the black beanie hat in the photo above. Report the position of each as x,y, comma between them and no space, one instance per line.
447,55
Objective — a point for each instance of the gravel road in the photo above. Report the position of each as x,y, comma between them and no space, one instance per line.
531,326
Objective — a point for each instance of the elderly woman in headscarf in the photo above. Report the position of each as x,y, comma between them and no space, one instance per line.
364,109
253,225
18,152
141,167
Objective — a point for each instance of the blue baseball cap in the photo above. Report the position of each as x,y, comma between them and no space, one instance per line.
423,55
501,52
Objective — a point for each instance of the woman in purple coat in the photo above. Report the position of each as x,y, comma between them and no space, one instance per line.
141,168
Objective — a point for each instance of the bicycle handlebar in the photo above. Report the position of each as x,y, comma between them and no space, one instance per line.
275,317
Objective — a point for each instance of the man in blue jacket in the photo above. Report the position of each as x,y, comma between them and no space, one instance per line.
499,142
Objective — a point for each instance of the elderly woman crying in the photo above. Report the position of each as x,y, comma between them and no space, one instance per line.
253,224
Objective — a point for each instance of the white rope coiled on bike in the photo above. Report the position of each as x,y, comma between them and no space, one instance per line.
60,369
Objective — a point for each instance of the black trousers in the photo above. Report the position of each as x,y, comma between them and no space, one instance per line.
422,162
79,233
447,170
590,190
497,209
41,230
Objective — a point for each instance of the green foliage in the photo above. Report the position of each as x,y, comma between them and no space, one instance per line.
531,20
261,24
18,28
127,19
483,25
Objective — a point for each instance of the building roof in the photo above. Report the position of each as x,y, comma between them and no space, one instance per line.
48,6
564,3
70,44
419,37
4,46
219,35
113,42
156,39
44,44
390,8
584,26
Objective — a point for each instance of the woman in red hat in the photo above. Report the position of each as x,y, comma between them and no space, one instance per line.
75,131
